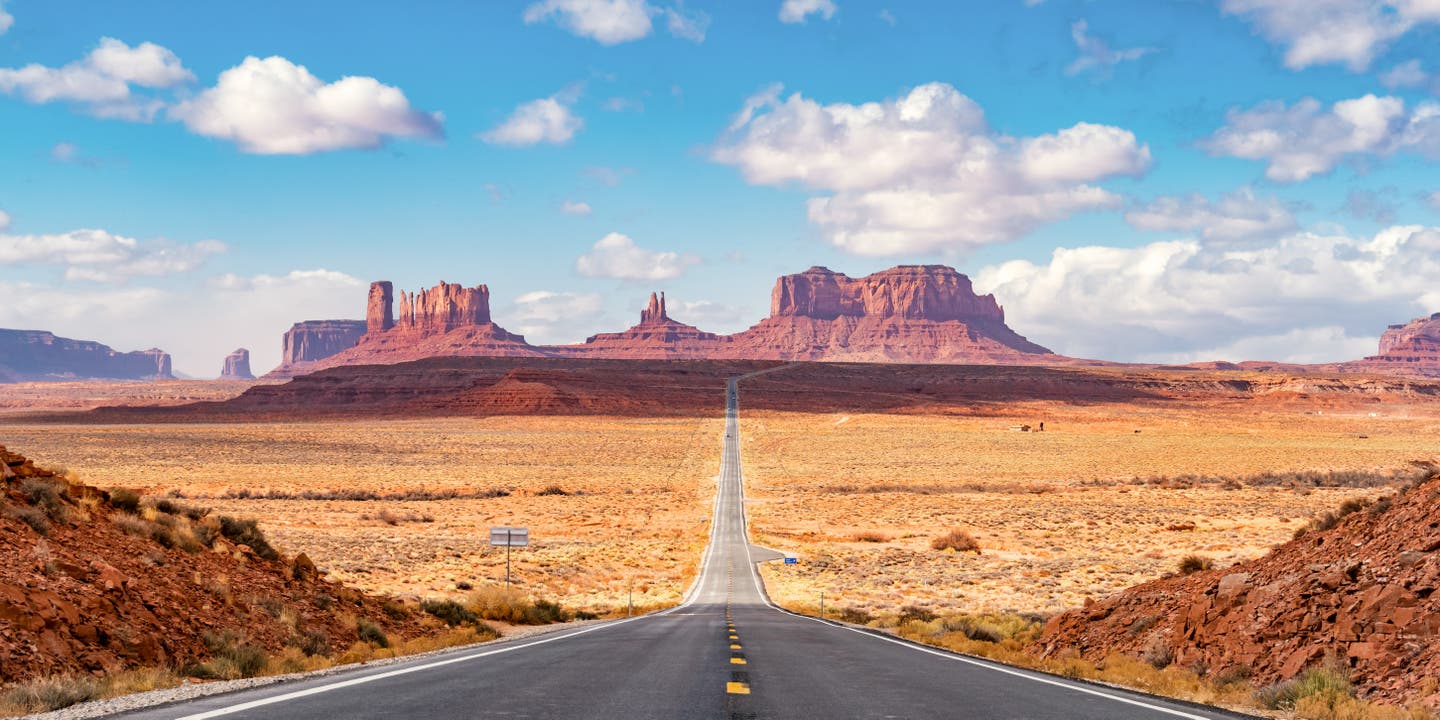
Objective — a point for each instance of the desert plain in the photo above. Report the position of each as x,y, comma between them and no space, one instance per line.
1110,494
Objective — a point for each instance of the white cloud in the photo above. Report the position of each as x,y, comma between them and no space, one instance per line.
553,317
1235,216
572,207
887,17
64,152
101,256
924,172
1432,199
102,82
1096,54
1304,297
6,20
547,120
710,316
4,221
198,325
1408,74
795,11
1318,32
617,256
687,25
275,107
609,22
608,176
1306,139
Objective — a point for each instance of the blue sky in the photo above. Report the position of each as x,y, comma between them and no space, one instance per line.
1134,180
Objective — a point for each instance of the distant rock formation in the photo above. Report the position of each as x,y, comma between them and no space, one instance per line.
446,320
35,355
237,366
910,313
311,341
657,337
1413,347
914,314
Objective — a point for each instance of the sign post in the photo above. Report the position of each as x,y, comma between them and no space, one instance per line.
509,537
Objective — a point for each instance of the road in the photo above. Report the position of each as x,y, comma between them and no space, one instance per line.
726,652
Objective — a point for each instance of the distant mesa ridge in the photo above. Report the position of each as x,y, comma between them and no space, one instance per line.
36,355
237,366
913,313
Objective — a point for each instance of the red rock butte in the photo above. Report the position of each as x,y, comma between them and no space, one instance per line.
31,355
915,313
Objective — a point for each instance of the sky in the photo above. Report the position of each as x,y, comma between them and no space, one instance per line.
1135,180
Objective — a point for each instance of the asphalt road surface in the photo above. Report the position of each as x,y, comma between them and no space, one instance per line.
726,652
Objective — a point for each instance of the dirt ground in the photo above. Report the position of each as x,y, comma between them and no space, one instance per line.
1059,516
614,506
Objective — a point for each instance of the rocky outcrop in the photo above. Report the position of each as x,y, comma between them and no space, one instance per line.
657,337
91,584
911,313
237,366
34,355
448,320
1410,349
311,341
1363,591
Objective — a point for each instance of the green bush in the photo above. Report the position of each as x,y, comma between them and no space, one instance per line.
369,632
32,516
47,495
453,613
1328,682
125,500
247,532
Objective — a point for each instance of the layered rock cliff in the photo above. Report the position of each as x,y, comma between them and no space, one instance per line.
910,313
1412,348
237,366
34,355
657,337
311,341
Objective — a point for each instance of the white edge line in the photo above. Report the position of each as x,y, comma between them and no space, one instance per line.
989,665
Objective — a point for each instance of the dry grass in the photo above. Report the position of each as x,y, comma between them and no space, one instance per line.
405,507
1084,509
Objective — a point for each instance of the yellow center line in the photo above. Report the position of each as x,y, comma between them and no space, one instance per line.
734,646
737,661
737,688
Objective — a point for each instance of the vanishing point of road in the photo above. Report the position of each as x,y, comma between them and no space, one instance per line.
725,652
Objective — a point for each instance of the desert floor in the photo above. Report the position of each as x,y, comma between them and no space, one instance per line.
633,515
1060,516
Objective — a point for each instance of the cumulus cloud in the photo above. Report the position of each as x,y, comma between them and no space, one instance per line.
1095,54
275,107
1319,32
197,324
924,172
795,11
546,317
1305,297
103,82
1308,139
711,316
572,207
6,20
1432,199
609,22
1409,74
547,120
617,256
4,221
102,256
687,25
1236,216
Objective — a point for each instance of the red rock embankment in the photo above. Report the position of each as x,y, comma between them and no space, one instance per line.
88,596
1363,591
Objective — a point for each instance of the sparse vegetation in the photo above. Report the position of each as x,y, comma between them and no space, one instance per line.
247,532
51,693
125,500
870,536
957,540
361,495
1195,563
232,657
1327,685
552,490
371,633
514,606
32,516
50,496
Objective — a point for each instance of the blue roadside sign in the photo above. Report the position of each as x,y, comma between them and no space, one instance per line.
792,561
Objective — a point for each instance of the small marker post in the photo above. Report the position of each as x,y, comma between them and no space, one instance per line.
822,604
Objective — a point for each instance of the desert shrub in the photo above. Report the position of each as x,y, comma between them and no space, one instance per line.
395,610
32,516
125,500
1158,653
1233,675
453,613
314,642
247,532
171,507
870,536
1333,517
512,606
553,490
133,525
232,657
51,693
323,602
957,540
207,531
916,612
1195,563
1141,625
356,495
856,615
1328,683
464,585
389,518
371,633
47,495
